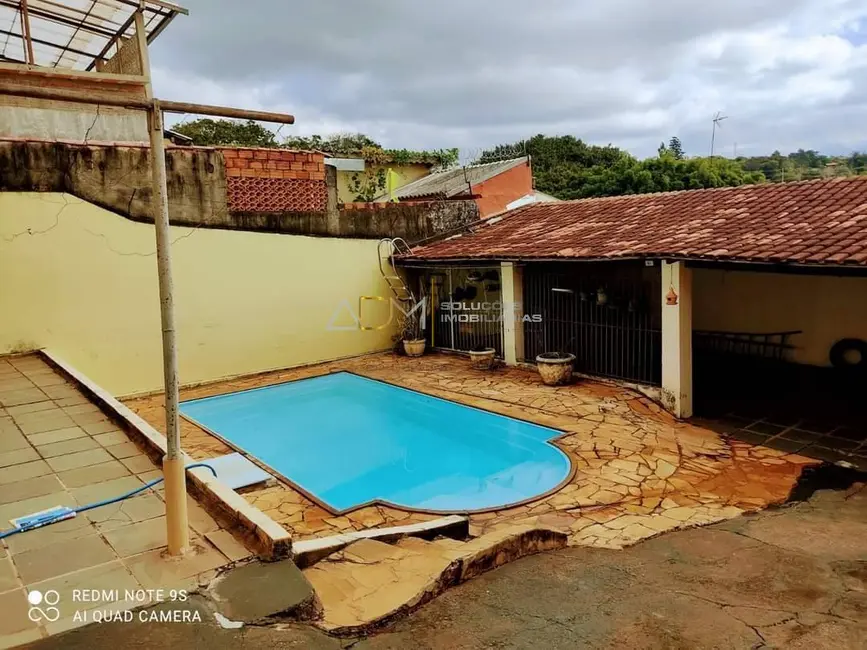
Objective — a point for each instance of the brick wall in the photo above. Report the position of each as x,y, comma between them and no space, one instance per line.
274,180
497,192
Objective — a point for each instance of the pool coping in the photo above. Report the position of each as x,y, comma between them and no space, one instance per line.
268,538
570,475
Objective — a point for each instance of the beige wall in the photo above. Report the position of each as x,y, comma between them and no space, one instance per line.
84,283
406,173
826,308
48,120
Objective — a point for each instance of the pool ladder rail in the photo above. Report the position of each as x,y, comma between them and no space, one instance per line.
395,246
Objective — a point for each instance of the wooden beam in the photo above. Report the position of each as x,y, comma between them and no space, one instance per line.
224,111
144,60
144,104
69,74
25,28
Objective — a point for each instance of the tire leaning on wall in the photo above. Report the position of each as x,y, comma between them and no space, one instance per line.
840,349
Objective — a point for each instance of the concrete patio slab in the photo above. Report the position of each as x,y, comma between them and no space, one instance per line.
18,456
66,447
153,570
256,591
369,583
62,557
228,545
48,535
16,473
14,606
138,537
59,435
55,461
79,459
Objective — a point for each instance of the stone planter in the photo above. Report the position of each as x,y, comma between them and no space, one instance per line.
482,359
555,368
414,348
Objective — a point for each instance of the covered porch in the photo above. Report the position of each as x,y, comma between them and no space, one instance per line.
753,351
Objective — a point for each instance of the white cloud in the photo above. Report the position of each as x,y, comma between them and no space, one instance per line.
475,74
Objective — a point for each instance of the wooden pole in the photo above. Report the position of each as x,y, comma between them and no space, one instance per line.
177,525
25,30
177,529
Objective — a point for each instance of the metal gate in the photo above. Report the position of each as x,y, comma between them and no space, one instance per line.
467,310
609,315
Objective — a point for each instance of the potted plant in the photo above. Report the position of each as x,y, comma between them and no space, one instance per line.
482,358
555,368
411,335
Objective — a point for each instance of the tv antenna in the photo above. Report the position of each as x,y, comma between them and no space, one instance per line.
717,123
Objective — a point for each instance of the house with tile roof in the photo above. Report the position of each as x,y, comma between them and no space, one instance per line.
753,286
493,186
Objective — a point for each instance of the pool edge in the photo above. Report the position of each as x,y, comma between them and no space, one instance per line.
570,474
268,538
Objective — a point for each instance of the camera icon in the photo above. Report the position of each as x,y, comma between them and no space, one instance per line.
43,606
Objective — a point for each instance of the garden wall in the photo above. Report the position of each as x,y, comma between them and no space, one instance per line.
83,281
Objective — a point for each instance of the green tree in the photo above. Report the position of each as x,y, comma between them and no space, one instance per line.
208,133
358,144
676,147
339,143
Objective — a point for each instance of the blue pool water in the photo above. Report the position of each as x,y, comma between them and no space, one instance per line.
348,441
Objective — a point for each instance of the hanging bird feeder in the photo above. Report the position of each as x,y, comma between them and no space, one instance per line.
671,297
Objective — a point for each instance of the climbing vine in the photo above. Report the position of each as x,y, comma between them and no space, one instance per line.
368,184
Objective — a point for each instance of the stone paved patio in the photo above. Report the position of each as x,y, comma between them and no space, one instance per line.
639,471
57,448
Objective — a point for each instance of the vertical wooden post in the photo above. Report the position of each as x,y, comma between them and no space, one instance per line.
177,528
25,33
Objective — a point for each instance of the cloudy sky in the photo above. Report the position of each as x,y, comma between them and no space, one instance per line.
475,73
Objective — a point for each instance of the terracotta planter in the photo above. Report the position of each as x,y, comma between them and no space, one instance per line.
482,359
414,348
555,368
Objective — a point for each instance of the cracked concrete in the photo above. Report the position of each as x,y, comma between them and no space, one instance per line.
795,577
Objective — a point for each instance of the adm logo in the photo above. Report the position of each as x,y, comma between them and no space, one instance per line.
357,316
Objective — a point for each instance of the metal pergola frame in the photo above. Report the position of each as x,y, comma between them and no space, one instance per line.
81,23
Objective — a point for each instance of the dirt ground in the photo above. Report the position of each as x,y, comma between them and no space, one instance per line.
794,577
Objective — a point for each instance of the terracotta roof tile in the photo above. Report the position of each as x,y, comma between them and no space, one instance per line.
823,221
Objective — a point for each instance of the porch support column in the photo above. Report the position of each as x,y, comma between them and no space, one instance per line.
512,285
677,338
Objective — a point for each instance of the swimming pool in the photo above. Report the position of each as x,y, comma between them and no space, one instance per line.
348,441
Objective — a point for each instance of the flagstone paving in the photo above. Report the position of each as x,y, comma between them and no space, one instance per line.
639,472
369,582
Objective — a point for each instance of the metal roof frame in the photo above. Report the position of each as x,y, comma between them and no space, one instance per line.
75,33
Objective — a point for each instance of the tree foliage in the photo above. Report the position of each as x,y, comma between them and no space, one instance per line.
568,168
208,133
358,144
339,143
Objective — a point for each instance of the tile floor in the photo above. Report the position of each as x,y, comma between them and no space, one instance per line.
56,448
825,440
